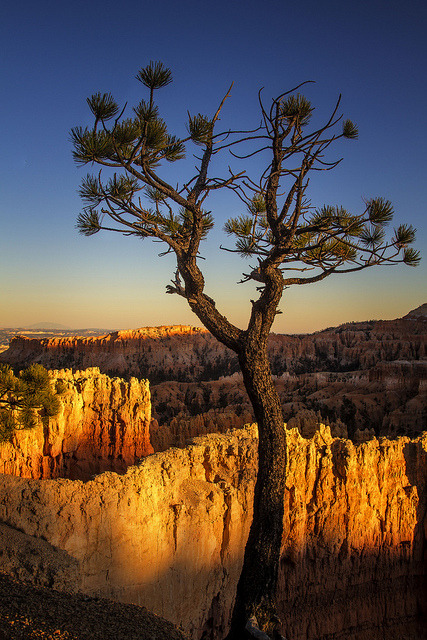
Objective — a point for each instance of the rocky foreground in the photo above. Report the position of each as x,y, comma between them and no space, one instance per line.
28,613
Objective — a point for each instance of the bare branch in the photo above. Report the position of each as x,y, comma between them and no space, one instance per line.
218,111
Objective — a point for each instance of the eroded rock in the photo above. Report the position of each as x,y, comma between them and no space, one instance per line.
103,425
170,532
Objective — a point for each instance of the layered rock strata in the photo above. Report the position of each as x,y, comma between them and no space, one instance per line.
182,428
391,398
158,353
357,374
103,424
170,533
191,354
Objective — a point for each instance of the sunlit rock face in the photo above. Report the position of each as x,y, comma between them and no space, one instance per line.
170,533
189,354
103,424
354,563
154,352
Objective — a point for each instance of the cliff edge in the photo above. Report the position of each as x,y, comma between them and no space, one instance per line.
170,533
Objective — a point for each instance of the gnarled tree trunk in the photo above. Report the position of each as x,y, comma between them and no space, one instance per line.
258,580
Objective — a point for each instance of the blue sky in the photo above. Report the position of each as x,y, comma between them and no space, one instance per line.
54,55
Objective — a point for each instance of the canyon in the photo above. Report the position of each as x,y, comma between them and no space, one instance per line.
140,489
84,506
190,354
363,375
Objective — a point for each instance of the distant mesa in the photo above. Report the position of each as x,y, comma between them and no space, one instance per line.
49,325
159,332
8,333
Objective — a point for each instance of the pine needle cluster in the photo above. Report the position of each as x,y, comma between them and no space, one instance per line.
280,227
25,399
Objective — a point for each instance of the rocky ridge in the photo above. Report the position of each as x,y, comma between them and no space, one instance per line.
191,354
141,352
367,373
354,524
419,312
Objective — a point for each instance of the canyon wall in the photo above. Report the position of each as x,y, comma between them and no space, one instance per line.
103,424
157,353
366,373
190,354
170,533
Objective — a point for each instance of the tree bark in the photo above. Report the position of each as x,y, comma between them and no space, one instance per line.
256,589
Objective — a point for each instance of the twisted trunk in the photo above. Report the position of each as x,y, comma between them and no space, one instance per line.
256,589
257,584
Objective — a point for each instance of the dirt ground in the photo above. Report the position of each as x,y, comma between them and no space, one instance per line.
28,612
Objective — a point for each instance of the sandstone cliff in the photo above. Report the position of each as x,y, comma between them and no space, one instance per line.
367,373
103,425
153,352
191,354
170,533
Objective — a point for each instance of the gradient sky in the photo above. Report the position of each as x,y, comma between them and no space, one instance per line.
55,54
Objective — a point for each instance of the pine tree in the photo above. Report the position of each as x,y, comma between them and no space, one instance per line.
25,399
290,242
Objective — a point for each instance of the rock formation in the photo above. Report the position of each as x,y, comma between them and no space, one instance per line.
103,425
366,373
391,398
183,428
190,354
170,533
419,312
158,353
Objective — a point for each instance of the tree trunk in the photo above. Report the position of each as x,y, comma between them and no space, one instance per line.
256,589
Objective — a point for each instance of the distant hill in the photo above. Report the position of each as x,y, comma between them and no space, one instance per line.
49,325
419,312
191,354
41,331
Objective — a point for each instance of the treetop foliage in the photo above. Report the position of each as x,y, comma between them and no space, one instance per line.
154,76
278,225
25,399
